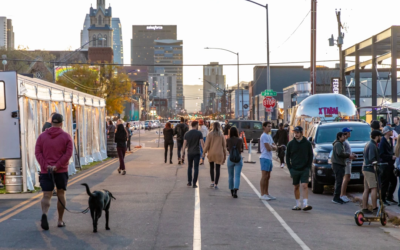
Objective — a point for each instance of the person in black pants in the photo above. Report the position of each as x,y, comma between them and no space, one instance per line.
121,136
168,141
180,130
128,129
389,180
281,139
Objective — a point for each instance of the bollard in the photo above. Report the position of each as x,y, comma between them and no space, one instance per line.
249,161
259,152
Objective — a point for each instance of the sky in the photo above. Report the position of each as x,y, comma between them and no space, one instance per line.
236,25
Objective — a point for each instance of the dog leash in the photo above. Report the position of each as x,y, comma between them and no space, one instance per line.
51,174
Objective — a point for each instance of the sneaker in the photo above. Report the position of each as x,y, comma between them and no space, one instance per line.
296,208
307,208
189,184
271,197
265,197
386,203
344,198
212,185
216,187
123,172
338,201
179,162
392,201
282,165
195,186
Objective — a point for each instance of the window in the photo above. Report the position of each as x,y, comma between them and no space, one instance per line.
2,96
94,40
245,125
99,20
257,125
99,42
233,124
105,41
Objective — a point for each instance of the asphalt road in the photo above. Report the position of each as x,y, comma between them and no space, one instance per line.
155,210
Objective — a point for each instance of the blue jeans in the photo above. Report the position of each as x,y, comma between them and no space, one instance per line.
234,170
180,144
196,159
201,149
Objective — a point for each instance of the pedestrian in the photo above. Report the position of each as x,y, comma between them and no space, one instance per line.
388,179
267,146
111,129
129,130
375,125
396,121
193,139
338,159
397,165
187,124
371,154
204,131
121,136
168,141
281,140
180,130
53,151
347,170
299,157
226,129
234,147
215,146
47,124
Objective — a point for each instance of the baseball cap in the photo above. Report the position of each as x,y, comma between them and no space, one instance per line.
376,133
387,129
298,129
346,130
57,118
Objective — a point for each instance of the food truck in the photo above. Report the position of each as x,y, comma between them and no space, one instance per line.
25,105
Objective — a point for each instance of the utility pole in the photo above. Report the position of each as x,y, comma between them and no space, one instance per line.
313,58
339,44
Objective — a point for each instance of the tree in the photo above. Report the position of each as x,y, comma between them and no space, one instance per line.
105,81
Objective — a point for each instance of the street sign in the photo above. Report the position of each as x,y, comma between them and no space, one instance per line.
269,103
245,106
268,92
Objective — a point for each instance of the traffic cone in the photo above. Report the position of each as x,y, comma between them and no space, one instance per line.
244,140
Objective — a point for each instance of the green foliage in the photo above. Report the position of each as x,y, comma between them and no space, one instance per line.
110,83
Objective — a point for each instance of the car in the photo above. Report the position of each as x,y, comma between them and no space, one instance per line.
321,136
174,122
147,125
252,129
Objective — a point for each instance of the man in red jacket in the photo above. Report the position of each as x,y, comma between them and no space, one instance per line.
53,151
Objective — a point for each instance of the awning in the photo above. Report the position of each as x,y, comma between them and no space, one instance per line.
43,93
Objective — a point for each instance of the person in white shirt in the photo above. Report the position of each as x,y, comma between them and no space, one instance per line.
267,146
204,130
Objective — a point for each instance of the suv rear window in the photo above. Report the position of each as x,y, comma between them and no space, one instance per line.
328,134
245,125
234,124
257,125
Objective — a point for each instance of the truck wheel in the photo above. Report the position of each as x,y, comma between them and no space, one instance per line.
316,188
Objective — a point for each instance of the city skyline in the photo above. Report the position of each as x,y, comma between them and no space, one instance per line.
249,42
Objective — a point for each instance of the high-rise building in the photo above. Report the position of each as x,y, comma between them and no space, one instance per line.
193,98
3,32
85,33
213,87
158,45
117,41
100,31
10,34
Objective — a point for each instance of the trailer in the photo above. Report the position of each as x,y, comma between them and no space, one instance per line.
27,103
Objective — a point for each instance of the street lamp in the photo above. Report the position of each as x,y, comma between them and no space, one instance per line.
237,54
268,69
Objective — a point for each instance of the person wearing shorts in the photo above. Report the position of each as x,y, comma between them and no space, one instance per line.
371,154
347,169
299,156
53,151
267,146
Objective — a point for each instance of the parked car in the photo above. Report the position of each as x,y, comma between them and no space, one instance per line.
252,129
174,122
321,136
147,125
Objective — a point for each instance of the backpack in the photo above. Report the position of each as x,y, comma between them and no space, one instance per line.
234,155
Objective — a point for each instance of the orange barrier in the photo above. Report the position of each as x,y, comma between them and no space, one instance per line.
243,136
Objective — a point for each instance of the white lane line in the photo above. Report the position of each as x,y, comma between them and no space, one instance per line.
197,224
278,217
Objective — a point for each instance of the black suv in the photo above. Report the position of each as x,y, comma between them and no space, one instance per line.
322,135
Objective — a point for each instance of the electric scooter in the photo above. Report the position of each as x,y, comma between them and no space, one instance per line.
381,215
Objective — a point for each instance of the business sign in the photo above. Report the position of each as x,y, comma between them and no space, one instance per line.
335,85
154,27
269,103
268,92
328,111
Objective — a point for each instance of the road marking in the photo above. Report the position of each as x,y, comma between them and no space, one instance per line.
32,200
197,223
278,217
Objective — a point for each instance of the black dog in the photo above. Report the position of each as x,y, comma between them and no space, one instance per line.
99,201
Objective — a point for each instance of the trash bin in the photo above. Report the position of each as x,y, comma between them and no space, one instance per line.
14,176
112,147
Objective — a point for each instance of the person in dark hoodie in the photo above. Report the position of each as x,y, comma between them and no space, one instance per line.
338,159
389,180
281,140
121,137
53,151
299,156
